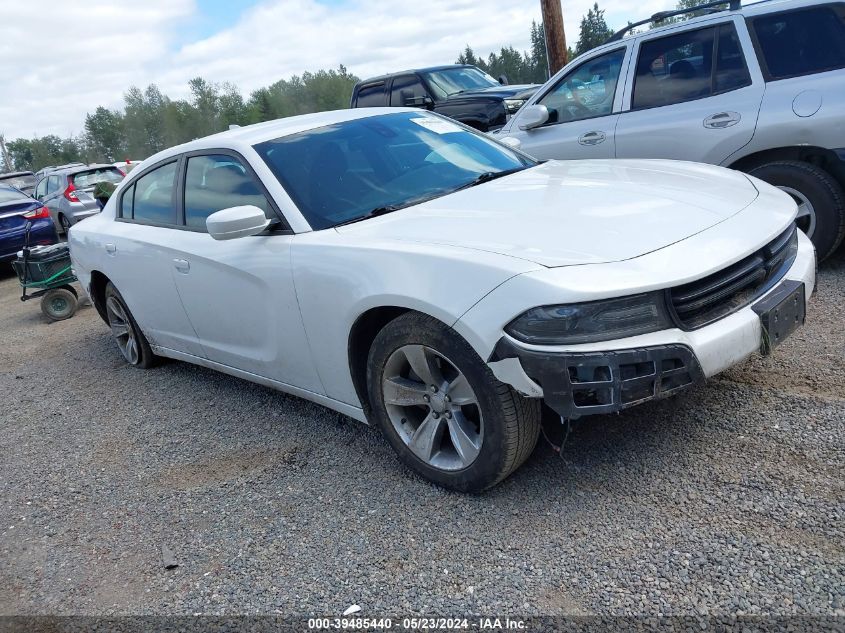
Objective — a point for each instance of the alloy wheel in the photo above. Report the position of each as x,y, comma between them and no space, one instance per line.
122,330
806,218
432,407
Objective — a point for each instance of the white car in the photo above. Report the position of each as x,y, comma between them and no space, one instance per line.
401,268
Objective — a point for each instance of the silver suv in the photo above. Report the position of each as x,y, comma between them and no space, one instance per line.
759,88
68,192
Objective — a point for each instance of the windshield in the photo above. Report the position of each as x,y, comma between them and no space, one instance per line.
338,173
92,177
451,81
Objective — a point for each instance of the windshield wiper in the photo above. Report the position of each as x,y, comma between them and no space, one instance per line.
372,213
487,176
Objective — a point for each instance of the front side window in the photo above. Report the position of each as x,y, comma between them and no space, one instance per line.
802,42
371,96
586,92
680,68
343,172
151,198
218,182
408,91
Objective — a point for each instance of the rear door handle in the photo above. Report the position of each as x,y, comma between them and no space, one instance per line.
722,119
182,265
591,138
111,249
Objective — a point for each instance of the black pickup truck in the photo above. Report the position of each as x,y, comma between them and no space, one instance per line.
464,93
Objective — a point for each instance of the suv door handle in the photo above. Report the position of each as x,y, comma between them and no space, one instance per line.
722,119
182,265
591,138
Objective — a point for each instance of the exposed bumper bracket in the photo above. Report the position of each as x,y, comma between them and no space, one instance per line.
587,383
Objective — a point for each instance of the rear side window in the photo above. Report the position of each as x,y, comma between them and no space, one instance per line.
688,66
151,198
408,91
371,96
218,182
52,184
801,42
92,177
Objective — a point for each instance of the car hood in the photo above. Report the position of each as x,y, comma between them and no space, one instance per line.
574,212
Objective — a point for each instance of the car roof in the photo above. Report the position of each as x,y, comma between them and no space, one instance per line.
70,171
413,70
248,135
15,174
753,9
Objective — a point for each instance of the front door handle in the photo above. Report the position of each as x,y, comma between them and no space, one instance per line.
182,265
721,120
591,138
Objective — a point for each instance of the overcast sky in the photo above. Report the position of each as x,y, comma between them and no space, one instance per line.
60,59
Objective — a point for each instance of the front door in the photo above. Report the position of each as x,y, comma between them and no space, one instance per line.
581,112
694,97
239,294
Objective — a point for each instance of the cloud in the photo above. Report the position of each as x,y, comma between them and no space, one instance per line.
84,54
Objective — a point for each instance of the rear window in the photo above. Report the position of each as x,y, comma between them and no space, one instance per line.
802,42
371,96
21,181
93,176
8,195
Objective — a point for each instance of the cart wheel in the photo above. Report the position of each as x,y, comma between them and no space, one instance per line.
58,304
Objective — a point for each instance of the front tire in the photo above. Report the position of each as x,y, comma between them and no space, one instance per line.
130,339
441,408
820,199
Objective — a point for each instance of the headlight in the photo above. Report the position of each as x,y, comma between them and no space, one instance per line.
512,105
592,321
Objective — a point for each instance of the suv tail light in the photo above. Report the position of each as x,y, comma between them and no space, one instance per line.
36,214
70,193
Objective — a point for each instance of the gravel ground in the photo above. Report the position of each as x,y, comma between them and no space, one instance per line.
726,500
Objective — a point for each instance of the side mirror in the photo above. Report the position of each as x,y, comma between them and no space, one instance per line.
235,222
533,116
503,80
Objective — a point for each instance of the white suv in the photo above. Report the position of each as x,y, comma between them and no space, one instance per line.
759,88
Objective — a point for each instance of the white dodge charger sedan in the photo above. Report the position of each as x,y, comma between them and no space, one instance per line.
403,269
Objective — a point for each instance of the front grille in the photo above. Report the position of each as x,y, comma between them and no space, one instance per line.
703,301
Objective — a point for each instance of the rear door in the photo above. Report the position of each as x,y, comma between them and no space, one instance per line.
144,242
582,107
694,95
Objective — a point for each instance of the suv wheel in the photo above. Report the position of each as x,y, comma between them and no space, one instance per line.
65,224
820,199
441,408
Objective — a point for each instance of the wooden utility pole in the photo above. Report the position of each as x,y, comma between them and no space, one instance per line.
555,37
6,160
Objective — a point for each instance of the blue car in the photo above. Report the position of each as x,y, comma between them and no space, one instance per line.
16,209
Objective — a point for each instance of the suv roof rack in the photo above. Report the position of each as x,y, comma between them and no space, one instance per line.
709,7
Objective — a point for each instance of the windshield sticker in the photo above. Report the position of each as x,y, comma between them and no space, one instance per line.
438,126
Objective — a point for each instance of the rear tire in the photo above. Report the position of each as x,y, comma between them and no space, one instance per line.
820,198
481,430
131,342
65,223
59,304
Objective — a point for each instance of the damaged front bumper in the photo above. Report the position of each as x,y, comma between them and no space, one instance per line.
575,384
